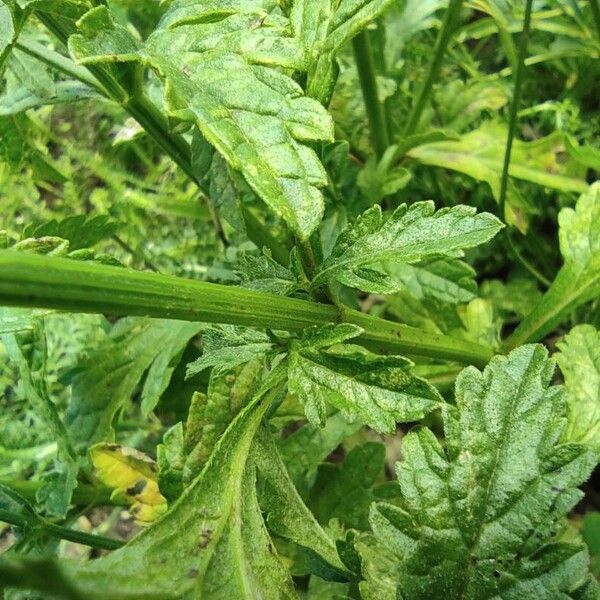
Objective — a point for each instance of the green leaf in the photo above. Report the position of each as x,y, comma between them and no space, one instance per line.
590,531
54,497
445,279
579,361
377,390
480,154
229,390
106,380
324,27
82,231
286,514
381,178
363,251
264,274
578,280
227,346
345,492
212,543
13,320
306,448
21,100
208,54
7,32
478,517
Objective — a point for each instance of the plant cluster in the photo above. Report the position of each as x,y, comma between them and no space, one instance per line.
299,299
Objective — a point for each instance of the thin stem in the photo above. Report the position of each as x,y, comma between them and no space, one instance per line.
363,56
595,7
31,280
59,62
512,126
439,50
63,533
526,264
83,495
514,107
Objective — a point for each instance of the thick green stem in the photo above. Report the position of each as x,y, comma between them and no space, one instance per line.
363,56
41,281
439,50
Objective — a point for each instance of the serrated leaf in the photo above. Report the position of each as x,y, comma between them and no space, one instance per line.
208,53
324,27
579,361
265,274
227,346
81,231
212,543
411,234
229,390
578,280
54,496
445,279
7,31
306,448
21,99
132,477
106,380
477,518
377,390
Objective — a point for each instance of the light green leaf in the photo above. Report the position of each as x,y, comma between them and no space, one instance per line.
578,280
381,178
285,512
227,346
13,319
265,274
480,154
478,517
445,279
7,32
218,61
229,390
377,390
579,361
21,99
411,234
211,544
106,380
324,27
54,497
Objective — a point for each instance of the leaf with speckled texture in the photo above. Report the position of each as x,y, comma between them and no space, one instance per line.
578,280
377,390
412,234
579,361
477,518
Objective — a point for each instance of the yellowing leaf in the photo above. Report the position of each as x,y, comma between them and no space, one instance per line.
133,478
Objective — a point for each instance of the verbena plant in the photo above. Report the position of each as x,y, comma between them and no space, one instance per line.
257,334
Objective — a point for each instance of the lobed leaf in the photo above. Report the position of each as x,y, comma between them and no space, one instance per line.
367,252
478,519
579,361
377,390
